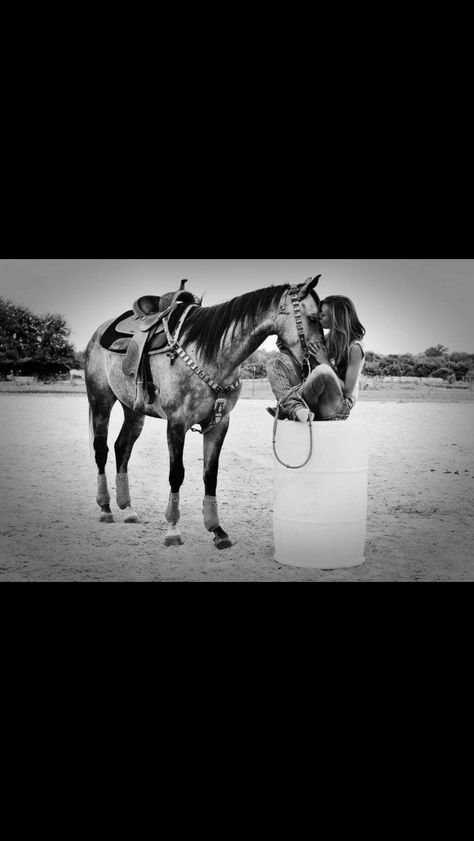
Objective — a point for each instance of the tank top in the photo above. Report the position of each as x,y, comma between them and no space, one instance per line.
355,394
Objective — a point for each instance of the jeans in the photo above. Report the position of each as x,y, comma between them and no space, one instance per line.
322,390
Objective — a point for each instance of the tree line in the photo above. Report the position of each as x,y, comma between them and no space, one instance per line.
433,362
39,345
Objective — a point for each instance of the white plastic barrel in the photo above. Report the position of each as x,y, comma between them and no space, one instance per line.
320,510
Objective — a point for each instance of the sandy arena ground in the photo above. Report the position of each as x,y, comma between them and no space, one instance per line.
420,511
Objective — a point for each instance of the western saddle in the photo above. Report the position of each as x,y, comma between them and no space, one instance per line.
140,332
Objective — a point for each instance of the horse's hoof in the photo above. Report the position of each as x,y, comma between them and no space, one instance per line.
174,540
130,516
221,539
222,542
106,517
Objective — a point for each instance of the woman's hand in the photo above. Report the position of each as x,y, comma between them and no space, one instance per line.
318,350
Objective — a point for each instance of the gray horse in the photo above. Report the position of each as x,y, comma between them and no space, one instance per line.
192,378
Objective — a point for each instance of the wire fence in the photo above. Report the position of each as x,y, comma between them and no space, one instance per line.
371,388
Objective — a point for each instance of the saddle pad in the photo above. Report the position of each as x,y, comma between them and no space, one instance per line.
110,336
117,337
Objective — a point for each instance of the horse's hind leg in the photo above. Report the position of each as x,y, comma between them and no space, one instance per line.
176,435
101,400
100,409
130,432
213,442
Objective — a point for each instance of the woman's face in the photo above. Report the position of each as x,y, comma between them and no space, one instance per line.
325,317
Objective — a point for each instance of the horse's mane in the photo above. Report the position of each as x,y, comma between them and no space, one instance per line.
206,327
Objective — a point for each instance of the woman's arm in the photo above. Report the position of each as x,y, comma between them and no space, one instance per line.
353,370
319,351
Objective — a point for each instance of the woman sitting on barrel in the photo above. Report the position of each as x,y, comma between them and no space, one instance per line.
331,390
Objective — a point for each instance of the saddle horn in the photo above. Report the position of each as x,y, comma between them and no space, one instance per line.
196,298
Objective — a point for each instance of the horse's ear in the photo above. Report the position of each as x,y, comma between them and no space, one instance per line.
183,283
308,285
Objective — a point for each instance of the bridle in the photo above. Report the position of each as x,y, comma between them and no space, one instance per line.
295,300
295,295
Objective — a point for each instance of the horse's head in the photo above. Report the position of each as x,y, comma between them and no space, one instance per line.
297,322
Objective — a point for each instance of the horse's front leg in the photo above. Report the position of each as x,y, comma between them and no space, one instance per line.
176,434
213,442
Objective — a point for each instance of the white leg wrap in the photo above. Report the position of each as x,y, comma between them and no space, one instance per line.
210,512
122,491
103,496
172,512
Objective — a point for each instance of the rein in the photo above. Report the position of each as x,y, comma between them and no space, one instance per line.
295,300
275,427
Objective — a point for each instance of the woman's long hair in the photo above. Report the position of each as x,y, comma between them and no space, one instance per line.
346,328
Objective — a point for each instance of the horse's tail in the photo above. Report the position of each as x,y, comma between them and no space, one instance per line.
92,388
91,416
99,394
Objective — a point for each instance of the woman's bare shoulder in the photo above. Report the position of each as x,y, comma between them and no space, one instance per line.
356,351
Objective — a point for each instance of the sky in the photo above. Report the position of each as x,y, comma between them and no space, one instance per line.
406,306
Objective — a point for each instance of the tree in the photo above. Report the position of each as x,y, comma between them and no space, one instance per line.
460,356
372,369
443,372
34,344
421,369
18,329
255,367
395,370
439,350
460,369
